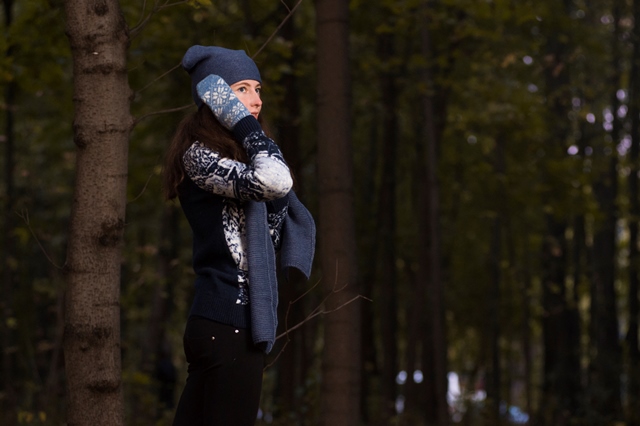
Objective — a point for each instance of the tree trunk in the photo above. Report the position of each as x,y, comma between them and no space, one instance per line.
560,328
633,348
435,347
606,365
340,399
99,39
388,309
494,380
291,369
157,359
8,239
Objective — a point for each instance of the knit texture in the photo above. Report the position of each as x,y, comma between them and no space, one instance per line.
224,104
231,65
297,250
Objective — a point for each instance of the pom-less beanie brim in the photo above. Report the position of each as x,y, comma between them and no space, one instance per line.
231,65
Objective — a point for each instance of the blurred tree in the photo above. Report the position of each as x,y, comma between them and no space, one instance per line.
606,361
341,356
8,259
434,346
632,345
387,307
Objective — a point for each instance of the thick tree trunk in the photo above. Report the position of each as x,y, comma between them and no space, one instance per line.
99,40
340,400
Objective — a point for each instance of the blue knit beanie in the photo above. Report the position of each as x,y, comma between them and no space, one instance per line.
231,65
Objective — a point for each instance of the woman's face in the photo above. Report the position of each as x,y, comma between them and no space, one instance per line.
248,91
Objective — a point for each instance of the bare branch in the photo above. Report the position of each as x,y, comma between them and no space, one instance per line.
285,5
142,191
314,313
133,32
321,312
24,215
280,352
164,111
286,18
307,319
159,77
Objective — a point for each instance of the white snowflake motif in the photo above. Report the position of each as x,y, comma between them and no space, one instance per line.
217,99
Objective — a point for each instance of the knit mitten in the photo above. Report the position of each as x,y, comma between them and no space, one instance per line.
227,108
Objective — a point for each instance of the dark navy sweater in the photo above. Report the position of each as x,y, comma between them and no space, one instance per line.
214,196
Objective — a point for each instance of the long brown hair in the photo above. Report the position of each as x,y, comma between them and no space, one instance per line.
199,126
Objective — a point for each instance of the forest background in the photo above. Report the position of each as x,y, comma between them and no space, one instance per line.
472,166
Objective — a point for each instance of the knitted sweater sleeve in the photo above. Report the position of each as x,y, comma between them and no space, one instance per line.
265,178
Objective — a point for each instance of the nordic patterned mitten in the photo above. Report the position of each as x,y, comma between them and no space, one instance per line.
227,108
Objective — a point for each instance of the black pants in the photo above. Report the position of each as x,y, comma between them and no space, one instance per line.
225,376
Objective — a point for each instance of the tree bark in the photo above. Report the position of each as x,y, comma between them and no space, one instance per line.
340,399
99,39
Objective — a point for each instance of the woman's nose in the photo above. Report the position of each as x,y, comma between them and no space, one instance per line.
256,99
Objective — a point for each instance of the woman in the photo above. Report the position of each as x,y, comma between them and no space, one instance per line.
235,190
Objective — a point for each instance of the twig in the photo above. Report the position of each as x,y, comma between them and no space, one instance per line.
159,77
285,5
286,18
156,8
25,217
322,312
142,191
308,318
314,313
164,111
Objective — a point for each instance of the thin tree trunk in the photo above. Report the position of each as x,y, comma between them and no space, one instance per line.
369,285
633,347
99,39
414,408
387,226
340,398
436,348
526,327
607,363
560,322
291,372
494,391
8,240
157,359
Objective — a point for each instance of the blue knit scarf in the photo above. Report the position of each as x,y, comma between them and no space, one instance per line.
297,250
